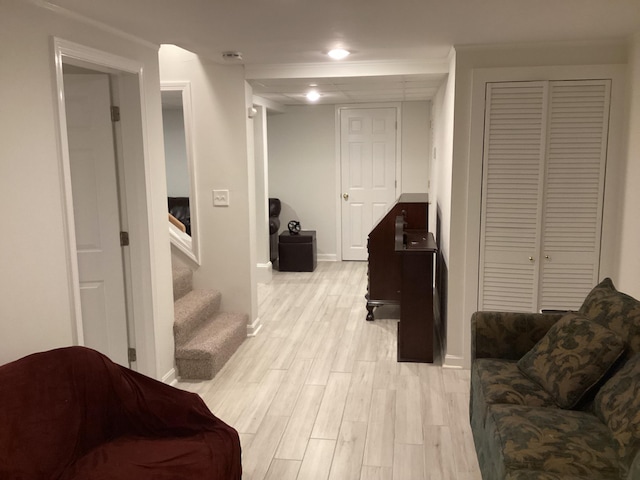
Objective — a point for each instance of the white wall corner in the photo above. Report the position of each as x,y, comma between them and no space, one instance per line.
254,327
264,272
170,377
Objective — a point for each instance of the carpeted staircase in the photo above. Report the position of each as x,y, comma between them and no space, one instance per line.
205,337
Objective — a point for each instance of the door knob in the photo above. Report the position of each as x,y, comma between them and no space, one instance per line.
345,196
531,259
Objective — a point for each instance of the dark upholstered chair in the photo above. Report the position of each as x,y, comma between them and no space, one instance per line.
179,208
274,226
71,413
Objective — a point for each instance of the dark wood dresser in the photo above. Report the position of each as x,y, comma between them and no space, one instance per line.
385,264
401,272
416,326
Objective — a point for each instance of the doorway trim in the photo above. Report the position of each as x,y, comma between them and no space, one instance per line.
338,156
130,146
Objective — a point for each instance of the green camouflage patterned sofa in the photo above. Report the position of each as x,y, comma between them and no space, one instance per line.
557,396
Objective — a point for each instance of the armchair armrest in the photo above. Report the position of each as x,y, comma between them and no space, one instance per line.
508,335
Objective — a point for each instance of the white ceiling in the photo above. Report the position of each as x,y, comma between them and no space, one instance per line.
275,36
385,88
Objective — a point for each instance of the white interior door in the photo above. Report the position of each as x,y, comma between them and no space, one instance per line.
96,214
368,173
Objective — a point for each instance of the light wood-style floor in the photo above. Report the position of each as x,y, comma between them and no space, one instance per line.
318,393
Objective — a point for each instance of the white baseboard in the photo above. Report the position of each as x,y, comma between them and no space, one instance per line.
453,361
170,377
264,272
327,257
254,328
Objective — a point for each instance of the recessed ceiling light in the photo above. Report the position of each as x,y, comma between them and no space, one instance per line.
338,53
313,96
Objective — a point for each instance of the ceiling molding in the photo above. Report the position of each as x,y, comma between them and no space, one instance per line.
63,12
496,47
345,69
270,105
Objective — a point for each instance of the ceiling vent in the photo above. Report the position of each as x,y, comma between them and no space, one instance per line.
232,56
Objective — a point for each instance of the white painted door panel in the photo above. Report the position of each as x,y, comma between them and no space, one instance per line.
96,214
368,174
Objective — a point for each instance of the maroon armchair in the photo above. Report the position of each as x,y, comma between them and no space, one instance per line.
71,413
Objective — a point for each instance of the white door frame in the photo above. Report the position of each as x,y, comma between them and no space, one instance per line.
127,76
338,155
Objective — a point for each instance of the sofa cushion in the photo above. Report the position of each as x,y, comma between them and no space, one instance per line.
618,406
564,442
495,381
571,358
539,475
615,310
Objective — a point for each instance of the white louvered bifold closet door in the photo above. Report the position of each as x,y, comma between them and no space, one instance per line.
574,189
542,193
511,215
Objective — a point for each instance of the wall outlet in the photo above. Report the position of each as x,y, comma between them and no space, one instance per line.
221,198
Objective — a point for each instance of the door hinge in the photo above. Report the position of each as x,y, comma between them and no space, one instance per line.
133,356
115,114
124,239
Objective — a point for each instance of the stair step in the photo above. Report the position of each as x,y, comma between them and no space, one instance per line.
211,345
182,280
191,311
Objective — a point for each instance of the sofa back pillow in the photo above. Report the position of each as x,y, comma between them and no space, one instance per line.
617,404
615,310
572,358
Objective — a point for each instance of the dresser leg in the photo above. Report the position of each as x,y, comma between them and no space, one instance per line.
370,308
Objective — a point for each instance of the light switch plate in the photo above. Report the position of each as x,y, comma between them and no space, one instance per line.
221,198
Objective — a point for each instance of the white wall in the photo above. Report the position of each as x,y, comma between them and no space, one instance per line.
36,312
467,168
175,152
220,156
629,269
302,165
441,164
416,148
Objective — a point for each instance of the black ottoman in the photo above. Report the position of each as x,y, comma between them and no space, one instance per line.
297,253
